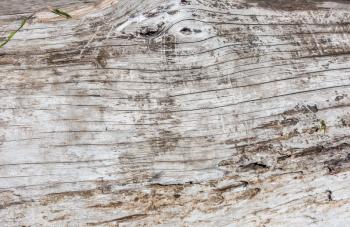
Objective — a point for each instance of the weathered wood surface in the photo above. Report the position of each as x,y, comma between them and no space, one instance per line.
175,113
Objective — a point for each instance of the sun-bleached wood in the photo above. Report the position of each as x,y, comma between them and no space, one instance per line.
175,113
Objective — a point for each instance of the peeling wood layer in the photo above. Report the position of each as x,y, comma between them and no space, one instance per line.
175,113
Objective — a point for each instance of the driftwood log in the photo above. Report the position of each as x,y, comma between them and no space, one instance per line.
175,113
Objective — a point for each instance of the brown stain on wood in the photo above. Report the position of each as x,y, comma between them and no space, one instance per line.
294,5
57,197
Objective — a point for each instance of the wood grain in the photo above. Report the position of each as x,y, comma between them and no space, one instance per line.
175,113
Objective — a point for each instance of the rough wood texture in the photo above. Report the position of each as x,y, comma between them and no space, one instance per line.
175,113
